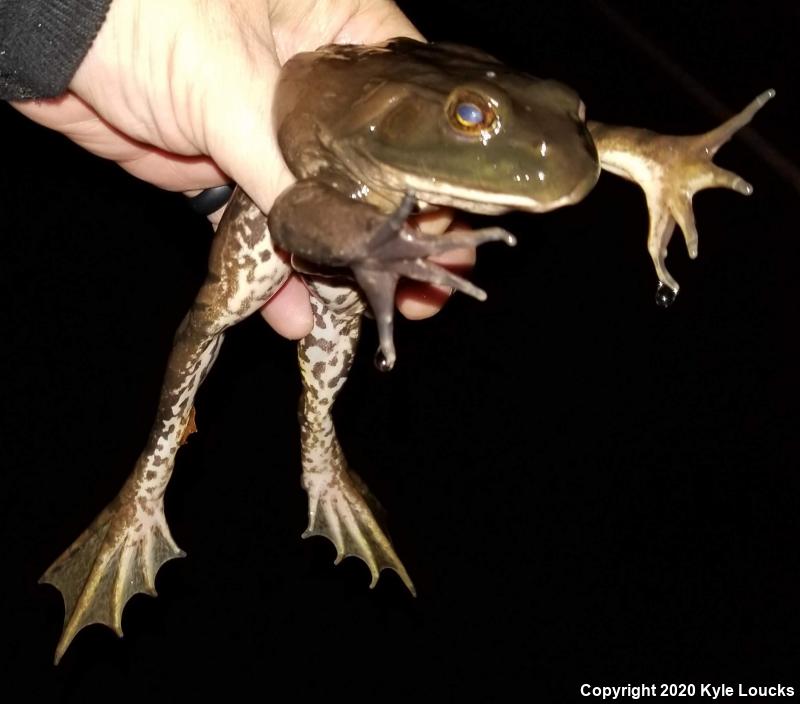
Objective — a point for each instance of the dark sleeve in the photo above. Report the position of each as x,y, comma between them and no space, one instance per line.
42,43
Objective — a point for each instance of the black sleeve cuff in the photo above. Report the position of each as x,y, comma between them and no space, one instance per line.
42,43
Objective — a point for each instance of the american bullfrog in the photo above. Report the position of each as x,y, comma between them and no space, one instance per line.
373,135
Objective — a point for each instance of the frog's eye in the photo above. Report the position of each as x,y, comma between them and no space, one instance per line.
470,113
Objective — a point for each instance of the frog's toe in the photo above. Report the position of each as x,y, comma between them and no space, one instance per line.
116,557
397,250
714,139
379,287
341,509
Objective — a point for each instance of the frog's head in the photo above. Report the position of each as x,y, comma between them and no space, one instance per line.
459,129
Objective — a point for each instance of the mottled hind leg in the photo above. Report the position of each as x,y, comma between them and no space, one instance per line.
340,506
119,554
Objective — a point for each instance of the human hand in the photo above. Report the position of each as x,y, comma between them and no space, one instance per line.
180,95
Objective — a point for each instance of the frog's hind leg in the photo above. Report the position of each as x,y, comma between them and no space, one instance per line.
670,170
119,554
340,507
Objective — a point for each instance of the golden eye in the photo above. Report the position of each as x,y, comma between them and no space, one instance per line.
469,113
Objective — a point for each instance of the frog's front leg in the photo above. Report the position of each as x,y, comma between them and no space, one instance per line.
340,507
119,554
670,170
320,223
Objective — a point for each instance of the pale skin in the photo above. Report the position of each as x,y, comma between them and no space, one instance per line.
180,94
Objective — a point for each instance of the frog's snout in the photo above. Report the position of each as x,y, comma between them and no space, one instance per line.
588,168
583,163
566,170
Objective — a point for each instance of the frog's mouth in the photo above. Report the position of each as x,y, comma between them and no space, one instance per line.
437,191
484,202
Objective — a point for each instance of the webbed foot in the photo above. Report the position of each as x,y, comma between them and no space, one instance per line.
116,557
396,250
342,509
670,170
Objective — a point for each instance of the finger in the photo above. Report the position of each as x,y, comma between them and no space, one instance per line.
238,131
56,113
173,172
288,312
72,117
433,222
241,140
376,22
417,300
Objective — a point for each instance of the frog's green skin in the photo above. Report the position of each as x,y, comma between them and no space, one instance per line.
370,134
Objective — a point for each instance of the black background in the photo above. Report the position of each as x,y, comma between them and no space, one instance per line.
585,488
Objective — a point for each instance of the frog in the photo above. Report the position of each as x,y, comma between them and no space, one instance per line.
373,136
